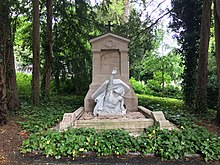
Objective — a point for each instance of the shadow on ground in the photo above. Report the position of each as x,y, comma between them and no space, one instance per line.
27,159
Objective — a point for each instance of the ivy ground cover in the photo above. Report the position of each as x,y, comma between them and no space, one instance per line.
189,139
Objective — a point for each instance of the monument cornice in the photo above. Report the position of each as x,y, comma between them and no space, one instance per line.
96,50
123,50
111,35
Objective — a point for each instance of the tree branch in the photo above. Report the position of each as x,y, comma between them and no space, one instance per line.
153,24
157,7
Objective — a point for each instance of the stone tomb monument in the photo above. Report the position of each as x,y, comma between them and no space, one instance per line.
111,102
110,51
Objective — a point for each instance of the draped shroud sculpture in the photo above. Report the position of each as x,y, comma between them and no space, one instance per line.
109,97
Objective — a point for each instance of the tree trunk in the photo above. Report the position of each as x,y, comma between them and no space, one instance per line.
162,78
2,92
126,11
36,53
12,90
48,52
201,105
3,41
217,47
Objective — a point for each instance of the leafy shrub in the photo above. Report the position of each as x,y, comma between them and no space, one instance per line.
23,83
153,87
159,103
137,86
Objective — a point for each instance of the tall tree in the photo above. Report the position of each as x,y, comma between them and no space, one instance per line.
12,90
186,24
217,47
36,53
3,53
8,87
201,104
2,87
3,19
45,86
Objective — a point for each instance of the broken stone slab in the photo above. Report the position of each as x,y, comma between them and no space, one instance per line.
158,117
70,118
67,121
145,111
160,120
165,124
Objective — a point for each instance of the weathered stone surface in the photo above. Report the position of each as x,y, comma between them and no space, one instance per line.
110,51
145,111
130,125
165,124
134,122
158,117
70,118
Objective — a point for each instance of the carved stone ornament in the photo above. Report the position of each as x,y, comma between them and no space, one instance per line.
109,44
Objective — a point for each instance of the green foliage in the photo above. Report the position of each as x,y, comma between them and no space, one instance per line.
175,144
139,87
212,87
75,22
23,38
35,119
164,143
172,108
24,84
165,103
153,87
186,16
161,75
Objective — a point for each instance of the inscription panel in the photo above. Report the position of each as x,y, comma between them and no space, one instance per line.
109,60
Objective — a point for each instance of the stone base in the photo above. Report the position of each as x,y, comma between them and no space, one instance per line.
133,122
138,125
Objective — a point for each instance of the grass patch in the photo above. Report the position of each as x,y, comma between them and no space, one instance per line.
24,83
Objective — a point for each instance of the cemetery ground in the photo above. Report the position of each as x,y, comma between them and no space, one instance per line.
196,142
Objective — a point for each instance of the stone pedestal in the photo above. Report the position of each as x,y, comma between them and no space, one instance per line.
110,51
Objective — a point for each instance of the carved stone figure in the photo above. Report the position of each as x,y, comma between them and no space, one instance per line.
109,97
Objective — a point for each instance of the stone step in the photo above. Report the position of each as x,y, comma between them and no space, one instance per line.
131,125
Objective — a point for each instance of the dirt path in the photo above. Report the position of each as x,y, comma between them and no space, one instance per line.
10,140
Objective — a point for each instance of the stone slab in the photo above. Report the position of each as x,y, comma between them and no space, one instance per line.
165,124
145,111
70,118
131,125
133,122
158,116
